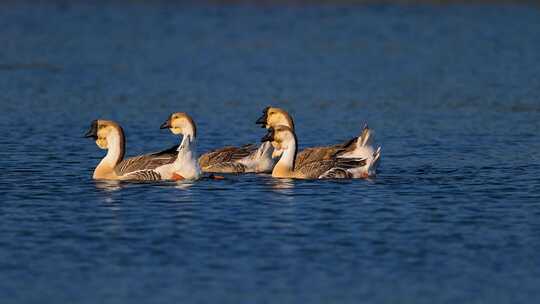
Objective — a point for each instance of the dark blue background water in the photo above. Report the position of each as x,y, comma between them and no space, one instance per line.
453,93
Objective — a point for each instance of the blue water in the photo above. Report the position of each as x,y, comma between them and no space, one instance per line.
453,93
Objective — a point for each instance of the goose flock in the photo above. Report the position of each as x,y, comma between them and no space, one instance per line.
277,153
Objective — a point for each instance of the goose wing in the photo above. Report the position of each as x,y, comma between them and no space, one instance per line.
226,167
147,161
330,168
348,145
313,154
142,175
226,154
316,168
336,173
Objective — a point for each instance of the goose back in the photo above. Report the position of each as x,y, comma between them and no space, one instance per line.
226,154
313,154
330,168
146,162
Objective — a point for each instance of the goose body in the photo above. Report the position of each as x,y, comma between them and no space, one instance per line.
244,159
185,166
357,147
285,145
109,135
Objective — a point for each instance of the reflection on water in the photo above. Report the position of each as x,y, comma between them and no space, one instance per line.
452,217
282,185
108,185
184,185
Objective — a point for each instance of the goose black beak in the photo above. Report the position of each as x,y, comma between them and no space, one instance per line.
269,136
262,120
92,132
166,124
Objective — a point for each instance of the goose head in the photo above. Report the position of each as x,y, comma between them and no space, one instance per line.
180,123
103,131
273,117
282,139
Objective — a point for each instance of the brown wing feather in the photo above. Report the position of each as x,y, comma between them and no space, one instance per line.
226,167
146,161
348,145
336,173
142,175
338,167
315,169
226,154
309,155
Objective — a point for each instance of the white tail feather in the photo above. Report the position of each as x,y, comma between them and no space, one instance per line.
261,160
364,149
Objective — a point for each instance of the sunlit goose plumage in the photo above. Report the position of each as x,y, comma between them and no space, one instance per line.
244,159
285,145
110,136
357,147
185,166
365,149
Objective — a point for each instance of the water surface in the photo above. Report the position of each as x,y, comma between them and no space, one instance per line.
451,91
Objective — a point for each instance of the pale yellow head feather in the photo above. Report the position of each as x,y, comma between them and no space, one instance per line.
180,123
278,117
104,129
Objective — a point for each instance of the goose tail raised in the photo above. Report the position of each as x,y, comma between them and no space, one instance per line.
364,149
261,160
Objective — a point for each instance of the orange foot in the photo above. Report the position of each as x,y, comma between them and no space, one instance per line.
212,176
177,177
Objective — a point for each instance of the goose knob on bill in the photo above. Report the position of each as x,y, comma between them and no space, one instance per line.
285,145
357,147
110,136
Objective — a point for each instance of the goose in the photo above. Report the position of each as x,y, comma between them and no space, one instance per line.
358,147
245,159
185,166
110,136
285,145
248,158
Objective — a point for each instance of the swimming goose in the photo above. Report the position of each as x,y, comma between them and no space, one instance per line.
185,166
285,145
110,136
245,159
358,147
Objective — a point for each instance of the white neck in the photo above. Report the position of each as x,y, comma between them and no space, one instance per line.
285,165
188,130
186,163
115,154
188,144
